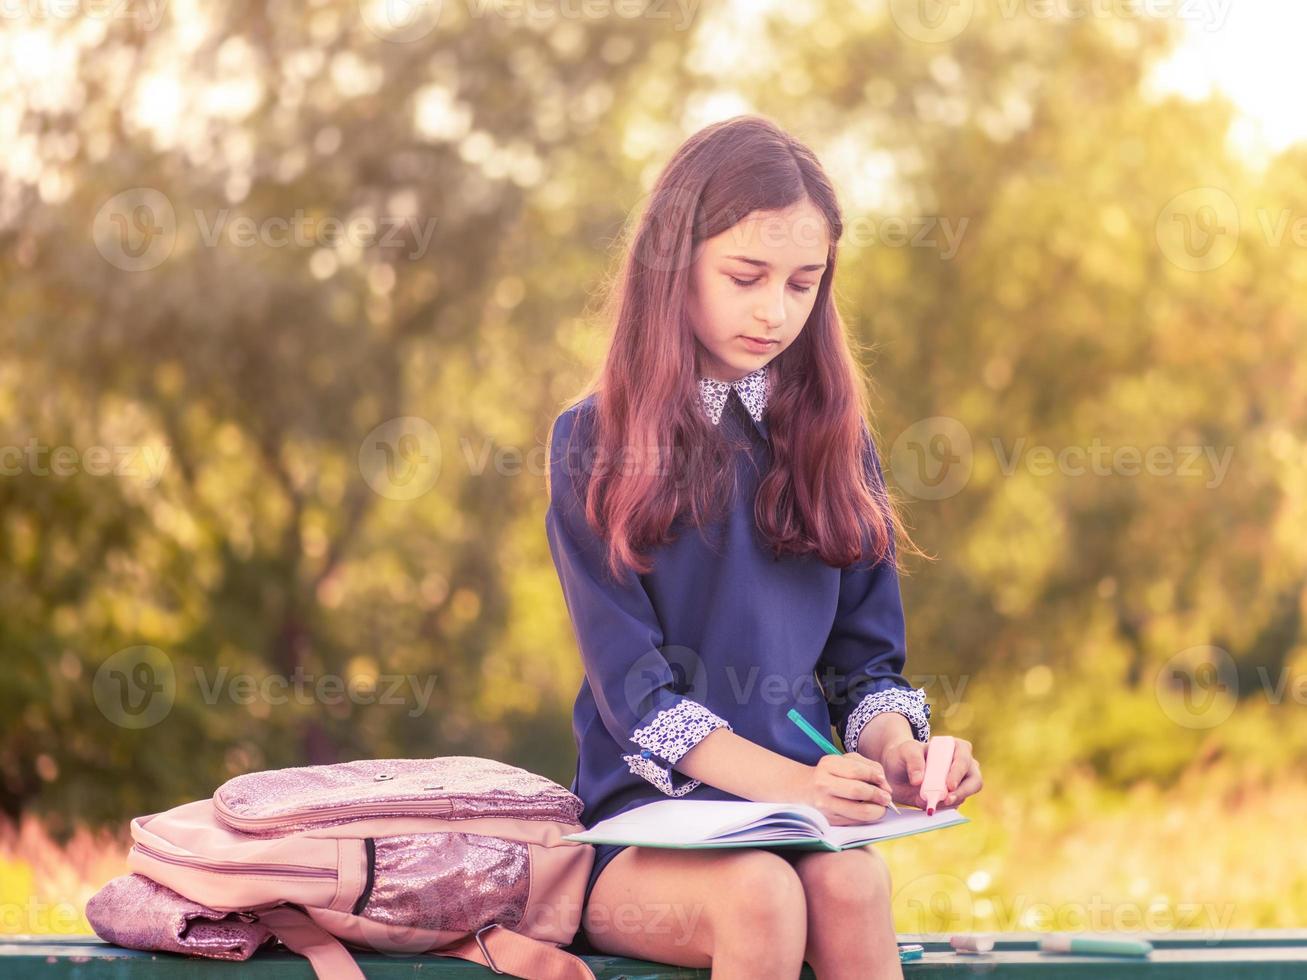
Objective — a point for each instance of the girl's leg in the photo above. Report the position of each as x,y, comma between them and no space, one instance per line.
740,911
850,919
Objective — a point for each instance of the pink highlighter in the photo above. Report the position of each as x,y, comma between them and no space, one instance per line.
934,785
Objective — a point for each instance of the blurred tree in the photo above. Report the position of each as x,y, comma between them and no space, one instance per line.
176,283
173,280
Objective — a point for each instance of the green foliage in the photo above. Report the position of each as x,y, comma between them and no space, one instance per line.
503,154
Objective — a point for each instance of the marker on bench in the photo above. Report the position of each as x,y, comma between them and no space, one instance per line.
968,943
912,951
1094,945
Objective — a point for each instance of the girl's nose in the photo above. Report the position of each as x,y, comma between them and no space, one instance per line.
773,313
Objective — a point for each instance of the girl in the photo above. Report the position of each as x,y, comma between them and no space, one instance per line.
703,491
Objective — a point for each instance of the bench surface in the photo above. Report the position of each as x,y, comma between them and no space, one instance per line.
1258,955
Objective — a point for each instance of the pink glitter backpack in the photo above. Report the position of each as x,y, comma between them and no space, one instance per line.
457,856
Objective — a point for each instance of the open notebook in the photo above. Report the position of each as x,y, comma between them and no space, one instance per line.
742,823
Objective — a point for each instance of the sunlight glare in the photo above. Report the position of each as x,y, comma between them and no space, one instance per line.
1252,56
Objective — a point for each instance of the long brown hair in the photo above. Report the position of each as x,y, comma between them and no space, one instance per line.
821,482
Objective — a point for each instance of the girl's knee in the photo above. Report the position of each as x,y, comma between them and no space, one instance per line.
858,876
761,895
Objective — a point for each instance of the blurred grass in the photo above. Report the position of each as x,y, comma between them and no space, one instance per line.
1052,845
1067,318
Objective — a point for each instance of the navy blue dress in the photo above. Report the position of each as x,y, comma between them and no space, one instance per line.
719,633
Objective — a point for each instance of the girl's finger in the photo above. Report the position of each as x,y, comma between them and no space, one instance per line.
854,766
859,790
961,764
860,812
968,787
859,766
914,760
881,781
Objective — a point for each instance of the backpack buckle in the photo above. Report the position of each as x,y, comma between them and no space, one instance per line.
485,952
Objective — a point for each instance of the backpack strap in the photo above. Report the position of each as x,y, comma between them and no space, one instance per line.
493,946
514,954
326,954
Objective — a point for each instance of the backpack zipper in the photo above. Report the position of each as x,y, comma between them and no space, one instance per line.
371,844
237,867
342,813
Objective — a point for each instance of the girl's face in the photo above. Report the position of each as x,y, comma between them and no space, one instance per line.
758,279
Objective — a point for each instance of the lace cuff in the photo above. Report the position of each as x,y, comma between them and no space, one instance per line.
672,733
906,701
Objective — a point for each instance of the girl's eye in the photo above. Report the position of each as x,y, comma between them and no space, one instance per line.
750,282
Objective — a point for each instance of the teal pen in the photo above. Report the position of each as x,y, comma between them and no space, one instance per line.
1094,945
820,739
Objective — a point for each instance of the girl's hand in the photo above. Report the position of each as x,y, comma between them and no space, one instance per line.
905,766
848,789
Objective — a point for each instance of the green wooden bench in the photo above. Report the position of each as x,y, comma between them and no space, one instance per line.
1257,955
